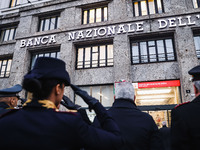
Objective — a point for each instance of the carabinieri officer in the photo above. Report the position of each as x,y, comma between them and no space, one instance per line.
185,126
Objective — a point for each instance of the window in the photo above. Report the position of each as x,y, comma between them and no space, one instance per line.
159,50
197,45
8,34
103,93
147,7
95,15
54,54
49,23
196,3
95,56
5,65
14,3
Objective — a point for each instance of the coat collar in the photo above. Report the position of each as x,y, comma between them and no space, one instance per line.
124,103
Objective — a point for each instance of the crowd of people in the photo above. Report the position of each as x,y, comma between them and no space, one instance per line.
39,124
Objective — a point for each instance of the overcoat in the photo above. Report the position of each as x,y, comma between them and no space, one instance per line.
185,126
138,128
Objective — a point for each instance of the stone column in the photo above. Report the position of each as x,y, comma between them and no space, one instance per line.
122,60
187,59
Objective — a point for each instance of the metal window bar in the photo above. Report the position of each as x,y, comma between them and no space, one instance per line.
139,52
106,55
6,68
148,9
198,3
4,32
165,49
102,14
14,34
95,15
156,6
156,48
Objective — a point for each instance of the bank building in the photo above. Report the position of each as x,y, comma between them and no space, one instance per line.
151,43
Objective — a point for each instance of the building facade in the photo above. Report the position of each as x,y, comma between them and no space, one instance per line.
151,43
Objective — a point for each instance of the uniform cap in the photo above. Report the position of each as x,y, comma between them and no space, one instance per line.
49,68
195,72
124,90
11,92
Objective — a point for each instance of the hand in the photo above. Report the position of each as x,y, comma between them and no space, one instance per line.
69,104
84,95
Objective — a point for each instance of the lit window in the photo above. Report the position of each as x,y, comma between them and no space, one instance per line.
95,56
95,15
153,51
49,23
196,3
102,93
5,66
54,54
147,7
14,3
8,34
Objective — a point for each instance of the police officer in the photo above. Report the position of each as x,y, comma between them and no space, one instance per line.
40,126
9,97
185,130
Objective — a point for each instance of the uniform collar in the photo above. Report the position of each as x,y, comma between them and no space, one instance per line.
124,103
40,103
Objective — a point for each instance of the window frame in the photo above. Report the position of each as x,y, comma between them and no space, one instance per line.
197,3
43,52
91,60
148,8
139,40
44,18
95,9
7,58
3,32
16,2
197,35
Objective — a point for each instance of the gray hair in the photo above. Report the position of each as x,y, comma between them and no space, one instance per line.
197,85
124,90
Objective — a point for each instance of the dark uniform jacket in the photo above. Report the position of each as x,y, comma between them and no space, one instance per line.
3,108
138,128
39,127
186,126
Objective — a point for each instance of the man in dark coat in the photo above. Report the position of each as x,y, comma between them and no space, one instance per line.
138,128
9,97
165,133
39,126
185,129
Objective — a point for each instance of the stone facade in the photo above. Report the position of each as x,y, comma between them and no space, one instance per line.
120,15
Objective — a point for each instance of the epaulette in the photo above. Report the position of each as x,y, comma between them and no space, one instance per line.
181,104
74,112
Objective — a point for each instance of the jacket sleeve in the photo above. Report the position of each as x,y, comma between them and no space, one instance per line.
179,137
106,138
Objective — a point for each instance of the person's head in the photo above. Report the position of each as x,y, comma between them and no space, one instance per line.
47,79
195,72
10,95
164,123
124,90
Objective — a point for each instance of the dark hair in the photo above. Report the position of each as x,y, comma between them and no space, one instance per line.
41,88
